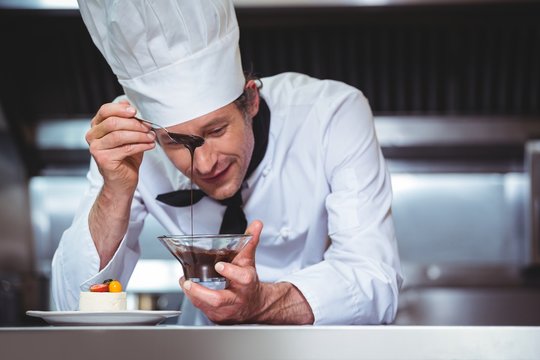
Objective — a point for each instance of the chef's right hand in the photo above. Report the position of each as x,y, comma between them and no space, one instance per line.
117,142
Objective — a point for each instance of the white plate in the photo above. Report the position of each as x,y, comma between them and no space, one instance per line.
87,318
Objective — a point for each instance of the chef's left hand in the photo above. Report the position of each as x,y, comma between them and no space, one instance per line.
242,301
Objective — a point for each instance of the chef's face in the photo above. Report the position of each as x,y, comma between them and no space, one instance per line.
220,164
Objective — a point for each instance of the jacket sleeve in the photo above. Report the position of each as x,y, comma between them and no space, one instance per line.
359,278
75,264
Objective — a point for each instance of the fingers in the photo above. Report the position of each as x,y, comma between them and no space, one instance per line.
115,117
121,109
246,257
118,138
119,145
115,133
116,123
201,296
237,274
255,228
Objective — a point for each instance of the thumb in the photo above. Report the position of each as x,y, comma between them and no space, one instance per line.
246,256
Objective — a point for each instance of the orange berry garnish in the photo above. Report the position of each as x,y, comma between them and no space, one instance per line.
115,286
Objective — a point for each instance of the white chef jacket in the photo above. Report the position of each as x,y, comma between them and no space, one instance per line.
322,191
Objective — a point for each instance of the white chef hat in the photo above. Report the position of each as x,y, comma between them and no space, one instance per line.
176,59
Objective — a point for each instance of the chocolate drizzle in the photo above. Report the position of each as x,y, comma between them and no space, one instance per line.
191,142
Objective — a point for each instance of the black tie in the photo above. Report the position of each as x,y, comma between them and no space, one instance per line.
234,220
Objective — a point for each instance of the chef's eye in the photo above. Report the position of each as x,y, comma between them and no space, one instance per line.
217,131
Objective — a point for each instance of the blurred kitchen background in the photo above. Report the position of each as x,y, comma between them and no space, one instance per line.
455,89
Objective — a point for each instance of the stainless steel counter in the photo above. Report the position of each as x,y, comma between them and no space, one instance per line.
265,342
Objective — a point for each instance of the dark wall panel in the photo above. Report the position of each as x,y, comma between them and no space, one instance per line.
408,60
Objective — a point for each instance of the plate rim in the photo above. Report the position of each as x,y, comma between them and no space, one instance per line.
104,318
115,313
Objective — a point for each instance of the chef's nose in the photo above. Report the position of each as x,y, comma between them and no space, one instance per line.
204,160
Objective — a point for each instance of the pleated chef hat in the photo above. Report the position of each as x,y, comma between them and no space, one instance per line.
175,59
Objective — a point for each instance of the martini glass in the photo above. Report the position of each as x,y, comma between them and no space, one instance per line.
198,255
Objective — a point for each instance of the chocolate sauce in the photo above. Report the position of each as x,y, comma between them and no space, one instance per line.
191,142
198,264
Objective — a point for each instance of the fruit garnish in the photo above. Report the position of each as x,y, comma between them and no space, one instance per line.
99,288
107,281
115,286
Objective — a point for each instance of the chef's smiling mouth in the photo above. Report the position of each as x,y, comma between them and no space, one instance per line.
218,176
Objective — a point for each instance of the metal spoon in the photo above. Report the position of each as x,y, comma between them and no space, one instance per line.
189,141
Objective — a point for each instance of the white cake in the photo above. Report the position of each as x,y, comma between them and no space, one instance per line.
102,301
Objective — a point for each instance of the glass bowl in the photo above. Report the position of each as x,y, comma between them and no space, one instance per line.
199,253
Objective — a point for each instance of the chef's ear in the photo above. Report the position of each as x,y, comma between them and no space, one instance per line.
252,91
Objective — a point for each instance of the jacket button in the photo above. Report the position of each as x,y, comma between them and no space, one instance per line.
284,233
266,171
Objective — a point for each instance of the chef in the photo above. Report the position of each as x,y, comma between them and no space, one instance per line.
297,154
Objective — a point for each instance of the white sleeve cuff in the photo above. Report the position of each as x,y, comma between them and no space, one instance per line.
122,263
341,295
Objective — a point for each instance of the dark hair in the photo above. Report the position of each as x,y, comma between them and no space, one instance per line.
244,101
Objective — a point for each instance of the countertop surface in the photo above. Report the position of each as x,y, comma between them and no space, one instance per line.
271,342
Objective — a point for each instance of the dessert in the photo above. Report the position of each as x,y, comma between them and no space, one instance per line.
103,297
